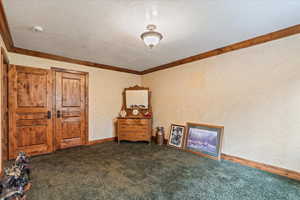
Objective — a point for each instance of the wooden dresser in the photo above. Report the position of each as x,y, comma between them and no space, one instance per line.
134,129
135,118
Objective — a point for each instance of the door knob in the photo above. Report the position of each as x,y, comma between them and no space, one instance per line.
49,114
58,114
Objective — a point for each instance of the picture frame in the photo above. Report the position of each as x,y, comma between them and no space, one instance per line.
204,140
177,136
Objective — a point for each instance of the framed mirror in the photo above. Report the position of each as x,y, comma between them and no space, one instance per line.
137,98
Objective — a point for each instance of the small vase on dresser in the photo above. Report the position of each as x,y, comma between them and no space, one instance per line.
135,120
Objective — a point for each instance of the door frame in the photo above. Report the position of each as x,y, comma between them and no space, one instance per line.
86,74
4,60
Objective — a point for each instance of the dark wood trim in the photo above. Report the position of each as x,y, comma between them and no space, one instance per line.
54,141
261,166
4,29
236,46
4,107
28,68
57,69
71,60
87,107
93,142
1,107
7,38
264,167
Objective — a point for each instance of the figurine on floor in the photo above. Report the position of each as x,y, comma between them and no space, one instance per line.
22,162
16,179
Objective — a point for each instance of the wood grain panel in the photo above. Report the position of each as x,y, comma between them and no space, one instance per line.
71,91
32,122
28,116
66,114
70,143
29,136
31,90
71,129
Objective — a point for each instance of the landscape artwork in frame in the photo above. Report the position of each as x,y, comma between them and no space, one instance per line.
176,138
205,140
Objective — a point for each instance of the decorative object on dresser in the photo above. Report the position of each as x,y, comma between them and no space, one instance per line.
123,113
204,140
176,137
135,120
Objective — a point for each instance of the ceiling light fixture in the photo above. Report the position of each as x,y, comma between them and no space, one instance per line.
151,38
37,29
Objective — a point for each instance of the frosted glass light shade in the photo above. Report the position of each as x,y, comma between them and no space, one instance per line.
151,38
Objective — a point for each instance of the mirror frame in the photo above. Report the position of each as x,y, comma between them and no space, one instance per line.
129,110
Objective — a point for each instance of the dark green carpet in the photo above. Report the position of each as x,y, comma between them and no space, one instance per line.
140,171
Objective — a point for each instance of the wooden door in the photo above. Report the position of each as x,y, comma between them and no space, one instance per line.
30,105
70,108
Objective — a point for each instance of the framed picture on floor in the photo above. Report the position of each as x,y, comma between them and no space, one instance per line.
205,140
176,137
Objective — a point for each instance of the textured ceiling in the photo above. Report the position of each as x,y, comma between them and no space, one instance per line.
108,31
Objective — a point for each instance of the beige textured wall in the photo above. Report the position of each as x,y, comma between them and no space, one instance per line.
105,91
253,92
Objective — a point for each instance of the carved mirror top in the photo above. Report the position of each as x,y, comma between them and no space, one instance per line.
136,87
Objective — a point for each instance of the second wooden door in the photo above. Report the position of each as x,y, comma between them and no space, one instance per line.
70,100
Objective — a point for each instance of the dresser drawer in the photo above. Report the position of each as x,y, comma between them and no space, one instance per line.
133,128
124,132
127,122
134,137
